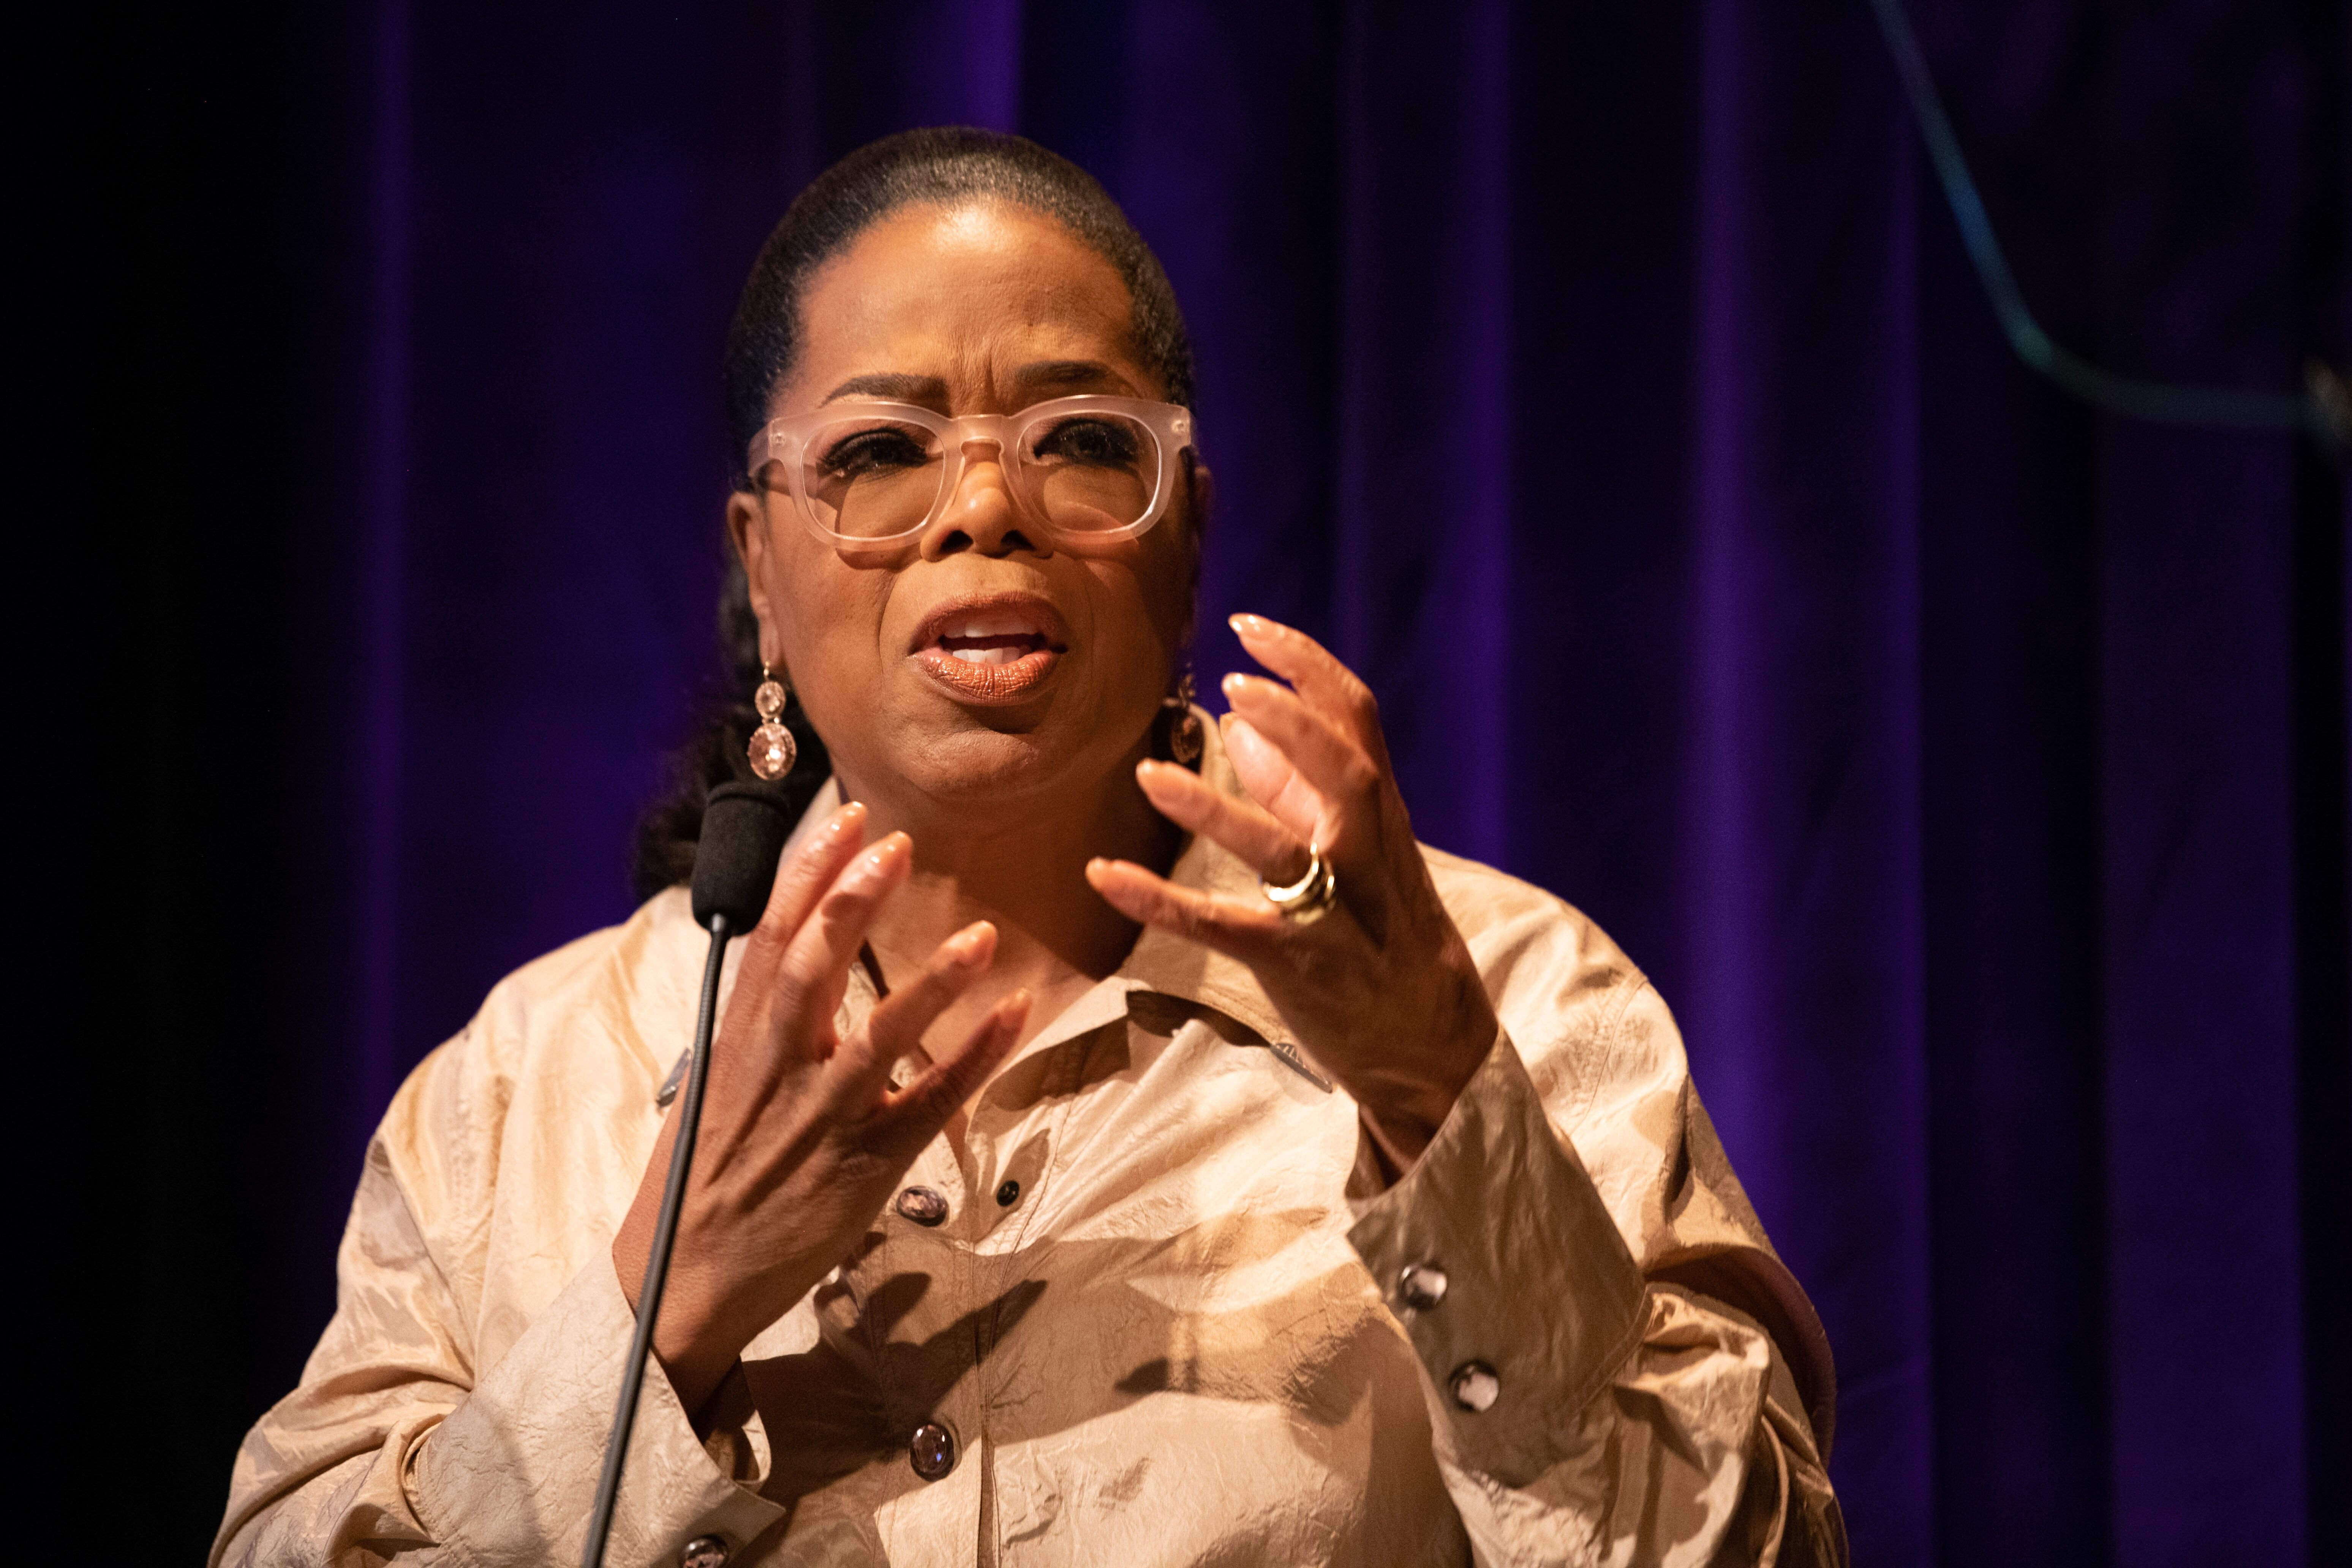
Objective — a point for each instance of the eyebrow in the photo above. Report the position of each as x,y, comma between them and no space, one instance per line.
1067,372
900,387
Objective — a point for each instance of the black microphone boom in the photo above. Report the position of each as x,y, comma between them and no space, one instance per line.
744,826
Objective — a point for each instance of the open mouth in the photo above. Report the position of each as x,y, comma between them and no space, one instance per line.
991,638
993,649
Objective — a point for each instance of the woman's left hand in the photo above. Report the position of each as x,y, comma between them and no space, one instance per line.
1381,990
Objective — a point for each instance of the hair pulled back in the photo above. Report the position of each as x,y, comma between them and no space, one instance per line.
944,166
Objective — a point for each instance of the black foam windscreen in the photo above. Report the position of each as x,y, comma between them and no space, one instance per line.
744,826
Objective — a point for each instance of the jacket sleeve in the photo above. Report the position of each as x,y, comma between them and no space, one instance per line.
391,1449
1581,1414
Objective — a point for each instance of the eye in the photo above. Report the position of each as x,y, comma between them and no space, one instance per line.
1097,442
879,451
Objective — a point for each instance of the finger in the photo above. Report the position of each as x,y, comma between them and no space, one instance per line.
1181,795
1242,928
918,1112
1330,686
1276,783
896,1027
811,870
816,964
1341,770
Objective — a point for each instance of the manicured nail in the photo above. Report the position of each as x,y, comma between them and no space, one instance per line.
1251,625
847,817
875,863
968,945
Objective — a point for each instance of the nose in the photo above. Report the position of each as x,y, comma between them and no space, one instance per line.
981,516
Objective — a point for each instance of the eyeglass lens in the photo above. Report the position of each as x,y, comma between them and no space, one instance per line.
875,477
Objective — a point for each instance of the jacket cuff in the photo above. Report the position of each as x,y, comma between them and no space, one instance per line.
511,1477
1500,1260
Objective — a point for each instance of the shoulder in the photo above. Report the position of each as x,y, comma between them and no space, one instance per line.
1599,1044
1547,964
619,981
1518,918
597,993
580,1022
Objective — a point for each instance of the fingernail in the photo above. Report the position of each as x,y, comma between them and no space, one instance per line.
1250,626
847,817
876,862
967,945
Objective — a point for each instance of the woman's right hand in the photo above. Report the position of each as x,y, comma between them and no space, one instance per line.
802,1140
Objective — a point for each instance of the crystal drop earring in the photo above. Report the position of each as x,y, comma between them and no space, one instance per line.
772,748
1183,724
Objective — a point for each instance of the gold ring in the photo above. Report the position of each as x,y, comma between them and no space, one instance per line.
1310,898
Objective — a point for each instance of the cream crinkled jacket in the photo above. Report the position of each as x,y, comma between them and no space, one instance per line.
1159,1324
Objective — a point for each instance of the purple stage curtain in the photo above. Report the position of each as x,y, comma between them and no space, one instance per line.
1609,386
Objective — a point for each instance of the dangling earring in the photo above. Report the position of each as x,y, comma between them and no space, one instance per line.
1183,724
772,747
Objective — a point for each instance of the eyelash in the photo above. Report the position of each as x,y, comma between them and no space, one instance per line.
1123,445
858,454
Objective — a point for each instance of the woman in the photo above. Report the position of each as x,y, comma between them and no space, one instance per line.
1124,1144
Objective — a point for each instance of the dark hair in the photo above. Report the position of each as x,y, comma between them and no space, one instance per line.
947,166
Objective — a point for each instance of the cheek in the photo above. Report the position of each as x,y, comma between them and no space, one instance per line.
1169,575
825,619
1147,619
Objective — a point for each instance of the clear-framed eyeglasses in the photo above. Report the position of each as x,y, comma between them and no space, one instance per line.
871,474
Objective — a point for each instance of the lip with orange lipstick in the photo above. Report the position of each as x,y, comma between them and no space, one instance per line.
990,647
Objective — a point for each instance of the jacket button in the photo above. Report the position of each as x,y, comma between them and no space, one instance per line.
1422,1286
931,1450
1474,1386
703,1552
1008,1195
922,1205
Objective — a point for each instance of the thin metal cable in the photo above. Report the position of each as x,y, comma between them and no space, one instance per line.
2324,408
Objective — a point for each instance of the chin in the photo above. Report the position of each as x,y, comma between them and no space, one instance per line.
976,761
980,756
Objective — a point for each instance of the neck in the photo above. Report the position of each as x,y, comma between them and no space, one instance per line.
1021,865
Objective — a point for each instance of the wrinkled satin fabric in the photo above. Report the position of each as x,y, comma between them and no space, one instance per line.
1183,1341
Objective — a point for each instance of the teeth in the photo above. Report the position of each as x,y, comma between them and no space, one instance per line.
987,655
990,626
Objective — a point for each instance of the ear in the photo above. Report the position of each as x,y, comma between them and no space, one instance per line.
747,529
1203,500
1200,497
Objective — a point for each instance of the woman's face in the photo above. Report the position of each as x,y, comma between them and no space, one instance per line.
978,309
